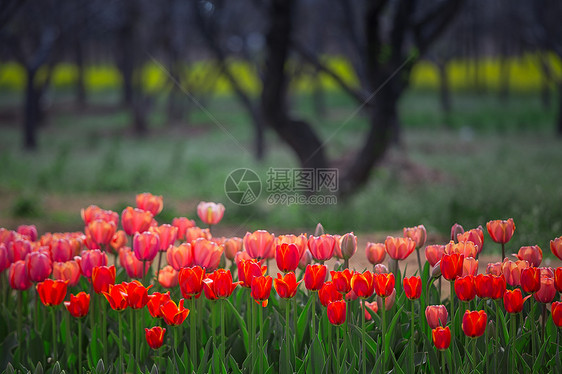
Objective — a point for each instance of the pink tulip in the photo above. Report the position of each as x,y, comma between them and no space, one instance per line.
348,245
259,244
4,260
322,247
547,291
399,248
512,271
29,231
89,260
434,253
180,257
182,223
376,252
61,251
475,235
436,315
206,254
18,249
494,268
305,260
210,213
132,265
418,234
135,220
469,266
39,266
380,269
17,275
146,245
67,271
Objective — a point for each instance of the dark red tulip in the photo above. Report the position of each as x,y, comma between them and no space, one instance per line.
155,336
531,279
337,312
465,288
441,337
474,323
78,305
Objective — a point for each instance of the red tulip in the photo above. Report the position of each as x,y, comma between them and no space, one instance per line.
134,267
558,279
101,231
556,247
52,292
206,254
489,286
210,213
363,284
474,323
137,294
418,234
329,293
261,289
465,288
39,266
248,270
546,292
384,284
412,287
532,254
531,279
118,241
513,301
557,313
146,245
231,247
135,220
117,296
219,284
287,257
399,248
4,261
182,223
78,305
337,312
29,231
451,266
102,277
436,315
180,257
315,276
61,251
149,202
191,281
501,231
259,244
68,271
342,280
512,271
286,286
174,314
475,235
300,241
155,336
167,234
375,252
168,277
434,253
90,259
155,301
441,337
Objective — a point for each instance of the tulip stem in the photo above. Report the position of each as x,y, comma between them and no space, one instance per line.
287,330
223,337
412,340
419,261
364,338
533,330
512,318
67,333
338,328
543,321
120,318
295,314
452,298
503,252
474,350
176,342
193,337
54,336
262,353
385,352
80,346
131,332
101,308
19,323
158,269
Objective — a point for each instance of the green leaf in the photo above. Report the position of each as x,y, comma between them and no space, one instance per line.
303,322
397,368
241,323
537,366
234,365
433,360
502,322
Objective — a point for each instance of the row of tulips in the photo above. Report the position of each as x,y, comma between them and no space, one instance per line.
338,321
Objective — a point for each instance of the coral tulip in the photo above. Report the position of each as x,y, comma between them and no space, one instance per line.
135,220
531,279
300,241
52,292
174,314
168,277
259,244
155,301
61,251
465,288
513,301
149,202
4,261
441,337
501,231
337,312
489,286
348,245
182,223
117,296
191,281
475,235
557,313
133,266
219,284
90,259
194,233
210,213
315,276
17,275
102,277
511,271
418,234
558,279
261,289
322,247
434,253
556,247
79,305
375,252
18,249
287,257
286,286
342,280
532,254
468,249
469,266
399,248
118,241
146,245
494,268
232,246
412,287
546,292
154,336
69,271
180,257
248,270
206,254
101,231
39,266
436,315
370,306
167,234
384,284
474,323
363,284
328,293
451,266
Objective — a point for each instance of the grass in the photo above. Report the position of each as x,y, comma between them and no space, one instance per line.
494,160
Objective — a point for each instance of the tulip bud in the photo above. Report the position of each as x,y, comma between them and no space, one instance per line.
455,231
348,244
380,269
436,271
305,260
388,301
319,230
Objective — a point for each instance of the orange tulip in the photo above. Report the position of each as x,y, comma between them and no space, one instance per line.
231,247
441,337
376,252
149,202
451,266
531,279
118,241
117,296
468,249
89,260
322,247
68,271
39,266
384,284
511,271
363,284
167,234
286,286
248,270
475,235
206,254
337,312
474,323
399,248
182,223
465,288
168,277
259,244
300,241
180,257
557,313
101,231
174,314
558,279
434,253
328,293
418,234
489,286
79,305
513,301
315,276
556,247
469,266
546,292
155,336
61,251
52,292
135,220
412,287
532,254
342,280
501,231
287,257
436,315
210,213
191,281
261,289
102,277
219,284
194,233
155,301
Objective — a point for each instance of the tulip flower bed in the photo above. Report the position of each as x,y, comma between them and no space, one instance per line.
181,300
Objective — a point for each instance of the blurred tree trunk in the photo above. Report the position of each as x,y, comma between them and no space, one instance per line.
80,85
31,110
175,108
318,97
444,89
